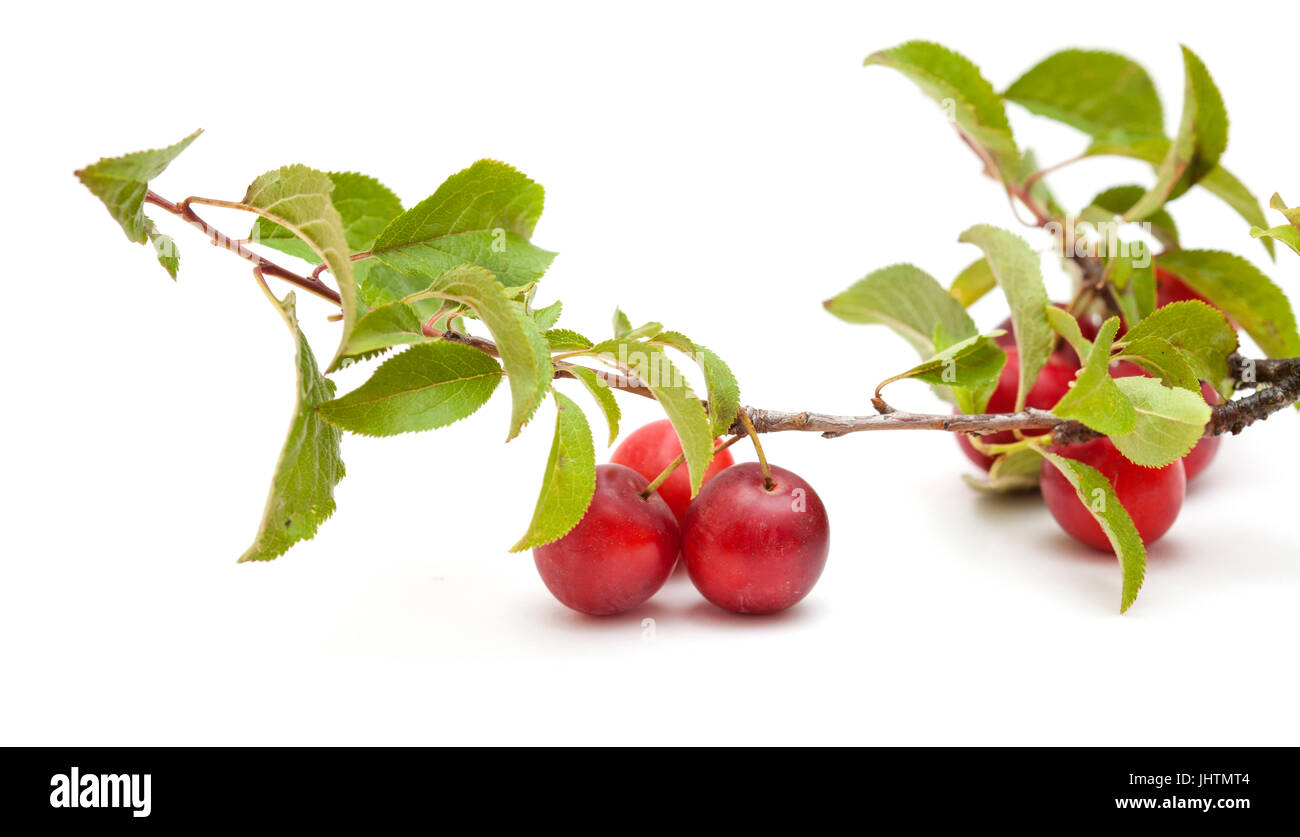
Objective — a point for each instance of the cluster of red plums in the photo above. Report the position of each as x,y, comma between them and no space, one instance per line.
754,545
750,545
1152,496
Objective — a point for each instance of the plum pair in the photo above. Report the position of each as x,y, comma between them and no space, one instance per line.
750,544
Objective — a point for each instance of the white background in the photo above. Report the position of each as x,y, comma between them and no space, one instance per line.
720,168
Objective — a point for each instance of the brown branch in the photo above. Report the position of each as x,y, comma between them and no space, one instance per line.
831,426
1235,416
1232,417
220,239
563,369
1282,375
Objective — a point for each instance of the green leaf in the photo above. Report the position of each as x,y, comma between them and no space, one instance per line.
1195,151
1139,296
122,182
379,285
1169,422
569,482
969,364
973,283
524,352
1018,470
1292,214
622,325
1164,360
310,465
1120,199
680,404
675,340
623,329
969,101
298,199
1068,327
644,331
564,340
1210,118
1096,92
165,248
1018,272
481,216
395,324
1243,292
1099,498
723,389
1288,234
1218,180
1198,331
424,387
1093,397
604,398
907,300
547,317
364,204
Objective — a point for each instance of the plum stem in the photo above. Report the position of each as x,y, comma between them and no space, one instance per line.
676,463
748,424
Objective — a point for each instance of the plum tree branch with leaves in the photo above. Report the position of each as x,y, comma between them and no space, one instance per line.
423,279
1230,417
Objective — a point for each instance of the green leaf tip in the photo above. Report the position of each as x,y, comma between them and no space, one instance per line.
1099,498
969,101
121,183
569,481
907,300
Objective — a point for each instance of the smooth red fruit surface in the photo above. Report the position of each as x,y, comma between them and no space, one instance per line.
1200,456
651,448
1125,369
619,554
1170,288
1152,496
753,550
1052,383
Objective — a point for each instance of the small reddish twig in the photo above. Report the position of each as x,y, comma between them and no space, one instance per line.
267,267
